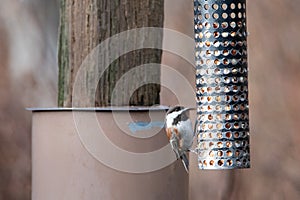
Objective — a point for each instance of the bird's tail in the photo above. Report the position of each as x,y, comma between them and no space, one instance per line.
185,162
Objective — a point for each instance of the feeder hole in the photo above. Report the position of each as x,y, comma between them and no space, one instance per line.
236,134
232,24
215,6
240,15
216,34
217,62
234,79
239,5
216,43
227,116
206,6
218,98
224,15
224,34
207,43
229,153
224,25
220,162
232,6
228,144
229,162
220,153
226,53
220,144
209,90
228,107
228,134
224,6
216,25
217,89
217,53
236,126
226,88
232,15
207,25
215,15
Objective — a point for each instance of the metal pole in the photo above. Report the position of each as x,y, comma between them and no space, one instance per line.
222,84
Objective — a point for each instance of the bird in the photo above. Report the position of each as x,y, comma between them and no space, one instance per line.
180,133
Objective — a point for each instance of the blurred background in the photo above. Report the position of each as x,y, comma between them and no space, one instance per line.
28,40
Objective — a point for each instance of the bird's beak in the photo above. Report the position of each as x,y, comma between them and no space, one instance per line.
188,109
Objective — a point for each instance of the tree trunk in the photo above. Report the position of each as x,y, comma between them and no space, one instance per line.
85,24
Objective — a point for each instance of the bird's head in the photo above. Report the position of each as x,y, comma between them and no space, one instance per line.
176,114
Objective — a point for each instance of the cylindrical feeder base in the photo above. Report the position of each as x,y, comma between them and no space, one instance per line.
64,167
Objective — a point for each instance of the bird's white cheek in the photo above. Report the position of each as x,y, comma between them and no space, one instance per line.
169,122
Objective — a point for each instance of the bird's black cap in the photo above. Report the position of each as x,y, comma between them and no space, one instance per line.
175,109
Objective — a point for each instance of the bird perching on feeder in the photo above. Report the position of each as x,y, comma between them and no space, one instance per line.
180,132
222,127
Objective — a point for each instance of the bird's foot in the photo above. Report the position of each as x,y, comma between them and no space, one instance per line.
195,151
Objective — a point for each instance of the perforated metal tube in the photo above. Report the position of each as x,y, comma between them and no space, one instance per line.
222,84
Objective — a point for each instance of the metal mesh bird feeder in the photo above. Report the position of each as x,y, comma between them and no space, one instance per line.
222,84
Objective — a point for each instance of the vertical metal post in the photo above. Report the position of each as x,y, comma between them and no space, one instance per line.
222,84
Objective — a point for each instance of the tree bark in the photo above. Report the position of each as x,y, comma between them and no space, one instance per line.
85,24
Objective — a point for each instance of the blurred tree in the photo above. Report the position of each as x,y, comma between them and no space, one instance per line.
85,24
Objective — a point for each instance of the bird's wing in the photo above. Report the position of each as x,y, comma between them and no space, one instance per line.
174,141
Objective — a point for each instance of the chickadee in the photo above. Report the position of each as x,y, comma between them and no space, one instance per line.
180,132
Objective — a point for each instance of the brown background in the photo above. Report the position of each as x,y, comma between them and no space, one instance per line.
28,32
